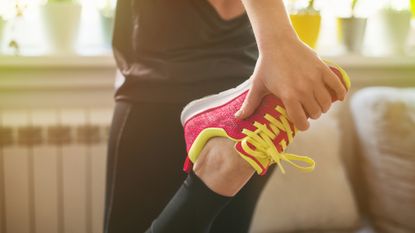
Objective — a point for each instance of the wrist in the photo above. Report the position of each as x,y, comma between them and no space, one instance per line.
274,43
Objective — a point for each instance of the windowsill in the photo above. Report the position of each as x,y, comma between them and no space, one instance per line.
58,61
34,79
107,60
361,61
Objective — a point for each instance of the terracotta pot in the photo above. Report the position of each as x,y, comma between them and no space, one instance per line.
62,21
307,26
351,32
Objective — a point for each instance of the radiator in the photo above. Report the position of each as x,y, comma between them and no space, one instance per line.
52,170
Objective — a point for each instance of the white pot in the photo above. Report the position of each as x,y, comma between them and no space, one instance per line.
351,32
393,30
61,21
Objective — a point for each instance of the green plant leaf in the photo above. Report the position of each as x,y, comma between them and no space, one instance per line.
310,4
354,2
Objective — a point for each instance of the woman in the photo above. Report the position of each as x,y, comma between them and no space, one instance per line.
170,52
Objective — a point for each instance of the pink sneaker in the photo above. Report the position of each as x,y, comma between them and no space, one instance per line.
260,139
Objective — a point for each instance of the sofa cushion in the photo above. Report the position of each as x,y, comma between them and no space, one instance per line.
385,124
309,202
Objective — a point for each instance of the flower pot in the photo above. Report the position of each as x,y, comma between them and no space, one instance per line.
307,26
351,32
61,21
107,25
393,30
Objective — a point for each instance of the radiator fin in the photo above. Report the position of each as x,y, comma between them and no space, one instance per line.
52,170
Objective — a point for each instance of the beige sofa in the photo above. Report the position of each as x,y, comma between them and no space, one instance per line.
365,175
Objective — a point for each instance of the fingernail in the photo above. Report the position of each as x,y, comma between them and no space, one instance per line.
238,113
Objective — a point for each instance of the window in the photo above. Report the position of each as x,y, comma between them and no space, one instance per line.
29,30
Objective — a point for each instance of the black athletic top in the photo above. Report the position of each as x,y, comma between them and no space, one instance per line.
179,50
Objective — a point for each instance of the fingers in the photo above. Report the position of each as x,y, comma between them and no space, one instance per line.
252,101
322,95
335,84
312,107
296,113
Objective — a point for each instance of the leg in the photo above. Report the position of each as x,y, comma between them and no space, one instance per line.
231,173
221,168
218,175
191,210
144,158
237,215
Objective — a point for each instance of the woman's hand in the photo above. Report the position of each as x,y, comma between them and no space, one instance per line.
295,74
287,67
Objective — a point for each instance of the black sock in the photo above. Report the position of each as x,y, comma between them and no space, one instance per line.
192,209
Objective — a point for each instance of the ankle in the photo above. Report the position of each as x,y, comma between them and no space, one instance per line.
221,168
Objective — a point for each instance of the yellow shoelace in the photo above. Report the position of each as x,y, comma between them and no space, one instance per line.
262,139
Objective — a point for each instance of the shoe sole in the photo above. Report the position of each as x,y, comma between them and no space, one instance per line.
211,101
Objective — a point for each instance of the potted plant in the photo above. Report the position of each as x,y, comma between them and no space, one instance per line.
393,27
351,30
61,19
107,14
306,23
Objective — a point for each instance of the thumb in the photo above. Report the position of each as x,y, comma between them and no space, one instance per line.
251,102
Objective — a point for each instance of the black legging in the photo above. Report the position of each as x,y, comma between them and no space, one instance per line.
145,157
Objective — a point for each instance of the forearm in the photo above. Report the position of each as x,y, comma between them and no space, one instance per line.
270,23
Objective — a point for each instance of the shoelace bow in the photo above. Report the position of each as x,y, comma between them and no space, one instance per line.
262,139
